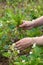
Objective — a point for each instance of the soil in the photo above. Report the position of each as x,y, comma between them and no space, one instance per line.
4,61
2,8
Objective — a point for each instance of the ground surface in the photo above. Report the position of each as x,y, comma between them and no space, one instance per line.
3,61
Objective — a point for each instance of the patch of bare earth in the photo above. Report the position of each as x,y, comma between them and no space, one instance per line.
4,61
2,8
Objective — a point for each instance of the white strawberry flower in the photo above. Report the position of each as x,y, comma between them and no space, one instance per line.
18,51
30,52
23,61
13,44
34,45
15,48
8,21
1,24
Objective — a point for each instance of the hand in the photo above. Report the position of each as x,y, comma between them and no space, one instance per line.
24,43
26,25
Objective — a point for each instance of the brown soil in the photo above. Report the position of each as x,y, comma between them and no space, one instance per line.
2,8
4,61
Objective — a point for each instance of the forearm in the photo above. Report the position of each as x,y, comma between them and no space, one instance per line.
38,22
38,40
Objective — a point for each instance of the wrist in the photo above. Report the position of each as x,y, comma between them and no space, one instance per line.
34,23
35,40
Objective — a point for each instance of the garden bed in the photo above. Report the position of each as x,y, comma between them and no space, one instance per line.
4,60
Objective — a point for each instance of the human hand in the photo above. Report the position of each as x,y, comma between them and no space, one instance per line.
26,25
24,43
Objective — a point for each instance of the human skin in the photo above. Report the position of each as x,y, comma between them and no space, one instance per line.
26,42
32,24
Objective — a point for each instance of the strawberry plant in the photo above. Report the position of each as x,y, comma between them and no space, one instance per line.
10,33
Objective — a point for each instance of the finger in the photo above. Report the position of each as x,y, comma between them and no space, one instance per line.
23,21
18,45
22,25
22,48
18,48
17,42
27,28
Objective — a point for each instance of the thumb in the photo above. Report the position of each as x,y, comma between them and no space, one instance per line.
23,24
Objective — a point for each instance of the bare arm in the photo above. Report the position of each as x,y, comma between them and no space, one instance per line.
38,40
32,24
26,42
38,22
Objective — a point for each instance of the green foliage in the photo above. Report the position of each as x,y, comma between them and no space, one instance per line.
10,31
